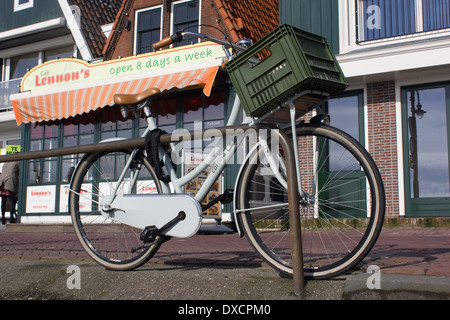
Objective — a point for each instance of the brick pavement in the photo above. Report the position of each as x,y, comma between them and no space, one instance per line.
405,250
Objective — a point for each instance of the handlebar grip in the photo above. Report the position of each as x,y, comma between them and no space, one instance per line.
177,37
163,43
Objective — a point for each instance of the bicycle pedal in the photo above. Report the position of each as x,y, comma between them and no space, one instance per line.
149,234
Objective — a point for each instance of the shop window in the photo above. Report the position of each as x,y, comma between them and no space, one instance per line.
43,137
75,135
117,128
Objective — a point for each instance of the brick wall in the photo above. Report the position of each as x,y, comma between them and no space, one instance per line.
125,46
382,133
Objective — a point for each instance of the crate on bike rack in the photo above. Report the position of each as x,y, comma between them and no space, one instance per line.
293,61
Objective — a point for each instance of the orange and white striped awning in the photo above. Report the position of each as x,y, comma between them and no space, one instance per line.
62,102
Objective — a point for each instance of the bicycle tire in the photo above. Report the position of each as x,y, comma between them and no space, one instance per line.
108,243
324,221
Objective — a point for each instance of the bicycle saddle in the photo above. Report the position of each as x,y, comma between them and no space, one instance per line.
130,99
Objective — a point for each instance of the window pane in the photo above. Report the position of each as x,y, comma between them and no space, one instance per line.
192,11
50,144
65,52
86,139
68,166
49,171
387,18
215,112
180,13
436,14
193,115
14,142
36,131
428,145
167,119
344,115
87,128
144,21
19,65
146,40
70,141
51,131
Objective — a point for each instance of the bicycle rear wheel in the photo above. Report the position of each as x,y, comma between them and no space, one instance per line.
341,214
110,244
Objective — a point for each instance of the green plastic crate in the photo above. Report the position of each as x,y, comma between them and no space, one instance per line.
298,61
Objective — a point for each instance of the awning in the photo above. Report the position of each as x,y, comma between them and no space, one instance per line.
63,99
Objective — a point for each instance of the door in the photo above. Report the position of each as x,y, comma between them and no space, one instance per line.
426,111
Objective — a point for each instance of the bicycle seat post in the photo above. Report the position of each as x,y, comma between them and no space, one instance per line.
147,111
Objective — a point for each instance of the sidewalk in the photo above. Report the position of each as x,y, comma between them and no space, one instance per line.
415,253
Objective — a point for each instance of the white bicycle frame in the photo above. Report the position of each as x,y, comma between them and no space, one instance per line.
221,156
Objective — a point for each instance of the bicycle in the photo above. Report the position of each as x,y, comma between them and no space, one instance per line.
340,190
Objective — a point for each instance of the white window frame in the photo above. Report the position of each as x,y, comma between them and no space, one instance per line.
136,24
23,6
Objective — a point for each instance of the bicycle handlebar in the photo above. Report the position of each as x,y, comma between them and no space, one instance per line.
179,36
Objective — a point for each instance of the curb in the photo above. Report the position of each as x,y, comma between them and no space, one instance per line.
398,285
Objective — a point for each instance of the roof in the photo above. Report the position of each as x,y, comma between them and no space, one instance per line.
251,19
240,19
94,14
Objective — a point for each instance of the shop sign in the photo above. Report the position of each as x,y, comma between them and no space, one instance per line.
85,198
12,149
41,199
62,72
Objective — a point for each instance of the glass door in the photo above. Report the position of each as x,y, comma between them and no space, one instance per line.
426,152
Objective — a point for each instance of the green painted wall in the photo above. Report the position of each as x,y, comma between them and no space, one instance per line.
42,10
316,16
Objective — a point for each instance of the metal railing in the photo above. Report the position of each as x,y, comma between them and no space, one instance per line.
7,88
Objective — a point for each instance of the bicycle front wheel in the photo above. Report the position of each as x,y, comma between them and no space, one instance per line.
342,209
112,245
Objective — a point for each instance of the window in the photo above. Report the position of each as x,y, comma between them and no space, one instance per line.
21,64
43,137
426,117
75,135
22,4
148,29
428,155
186,17
436,14
59,53
382,19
